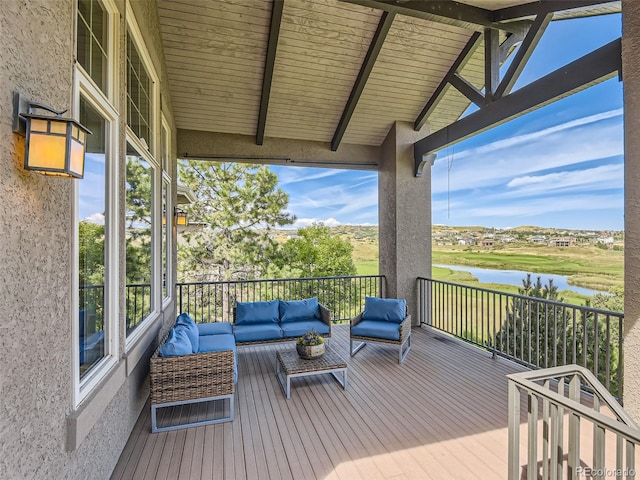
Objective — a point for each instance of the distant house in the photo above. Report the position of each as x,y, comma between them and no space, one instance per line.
488,242
538,239
561,241
605,240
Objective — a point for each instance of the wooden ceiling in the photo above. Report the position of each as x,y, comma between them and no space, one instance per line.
216,51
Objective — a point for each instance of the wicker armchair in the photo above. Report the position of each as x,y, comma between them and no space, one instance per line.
193,378
383,331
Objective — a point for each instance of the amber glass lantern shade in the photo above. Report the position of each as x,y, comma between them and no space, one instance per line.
54,145
181,218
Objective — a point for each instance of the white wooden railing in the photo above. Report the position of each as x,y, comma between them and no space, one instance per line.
561,402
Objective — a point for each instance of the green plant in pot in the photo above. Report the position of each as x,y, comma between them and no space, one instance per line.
310,345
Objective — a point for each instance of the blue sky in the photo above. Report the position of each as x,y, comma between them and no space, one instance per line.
559,166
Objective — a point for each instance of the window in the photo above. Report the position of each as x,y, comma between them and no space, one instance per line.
139,238
143,189
138,94
96,319
91,241
93,41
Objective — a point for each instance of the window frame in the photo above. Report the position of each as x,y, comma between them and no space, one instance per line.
148,152
165,133
86,88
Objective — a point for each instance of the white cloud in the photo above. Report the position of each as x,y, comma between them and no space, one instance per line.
560,149
547,205
97,218
598,178
540,134
306,222
289,175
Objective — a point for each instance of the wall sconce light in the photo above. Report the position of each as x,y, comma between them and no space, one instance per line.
54,145
181,217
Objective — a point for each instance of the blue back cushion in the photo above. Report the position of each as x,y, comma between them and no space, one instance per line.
177,344
296,310
257,312
186,322
215,328
388,309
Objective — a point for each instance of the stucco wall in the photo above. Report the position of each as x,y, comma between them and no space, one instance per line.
631,78
36,227
404,216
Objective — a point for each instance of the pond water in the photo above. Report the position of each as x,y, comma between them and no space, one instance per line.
515,277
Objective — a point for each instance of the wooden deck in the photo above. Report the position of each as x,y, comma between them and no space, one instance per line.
440,415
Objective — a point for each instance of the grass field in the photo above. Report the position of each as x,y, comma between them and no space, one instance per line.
588,267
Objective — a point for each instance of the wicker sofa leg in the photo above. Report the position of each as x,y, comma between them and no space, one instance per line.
154,408
402,356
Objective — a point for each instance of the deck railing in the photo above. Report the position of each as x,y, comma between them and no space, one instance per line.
533,331
588,436
214,301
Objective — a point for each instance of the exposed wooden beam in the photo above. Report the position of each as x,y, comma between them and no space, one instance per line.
458,64
523,54
270,60
468,90
365,70
588,70
449,12
491,63
531,9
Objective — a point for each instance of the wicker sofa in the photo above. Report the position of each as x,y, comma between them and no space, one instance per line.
198,362
194,363
279,320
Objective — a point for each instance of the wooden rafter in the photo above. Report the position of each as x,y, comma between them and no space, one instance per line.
588,70
269,64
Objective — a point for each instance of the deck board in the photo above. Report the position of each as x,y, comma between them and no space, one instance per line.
441,414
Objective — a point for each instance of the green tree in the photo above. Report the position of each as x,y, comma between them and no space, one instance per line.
607,330
91,253
533,330
138,240
237,206
315,252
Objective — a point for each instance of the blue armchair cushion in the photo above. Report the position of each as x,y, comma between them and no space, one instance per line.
296,310
387,309
185,321
177,344
256,332
297,329
257,312
216,328
382,329
218,343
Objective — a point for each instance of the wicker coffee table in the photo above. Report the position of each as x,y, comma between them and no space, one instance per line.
289,365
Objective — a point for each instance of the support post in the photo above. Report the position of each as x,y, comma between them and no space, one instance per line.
404,216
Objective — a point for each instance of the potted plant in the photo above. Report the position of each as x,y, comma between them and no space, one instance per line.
310,345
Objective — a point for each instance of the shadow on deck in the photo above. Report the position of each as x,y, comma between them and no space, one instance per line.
441,415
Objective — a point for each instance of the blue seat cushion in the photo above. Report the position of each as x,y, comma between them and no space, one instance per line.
185,321
257,312
377,329
218,343
177,344
297,329
295,310
387,309
256,332
215,328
